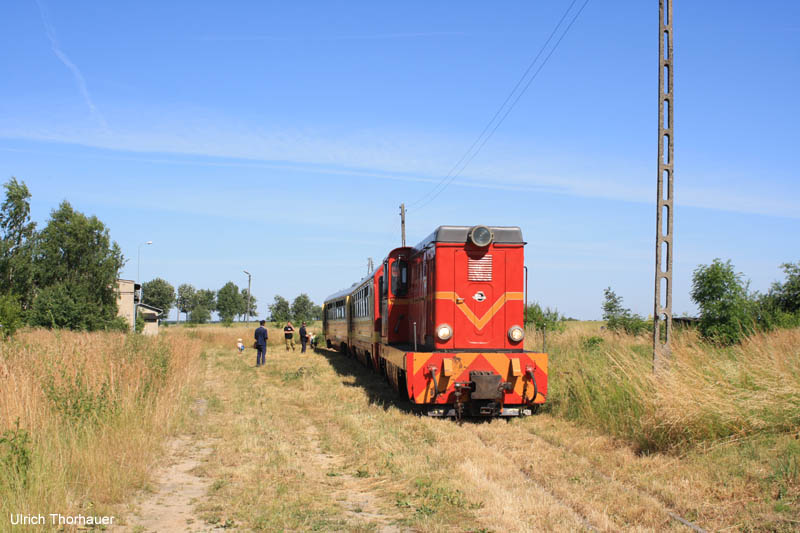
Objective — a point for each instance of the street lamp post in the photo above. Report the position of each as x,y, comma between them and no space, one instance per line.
138,281
247,311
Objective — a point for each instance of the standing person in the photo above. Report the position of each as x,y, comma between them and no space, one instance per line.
288,334
261,337
303,337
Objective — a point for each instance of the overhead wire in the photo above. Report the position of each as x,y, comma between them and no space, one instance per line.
500,108
482,139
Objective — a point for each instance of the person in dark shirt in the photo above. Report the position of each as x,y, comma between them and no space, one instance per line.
303,338
288,334
261,337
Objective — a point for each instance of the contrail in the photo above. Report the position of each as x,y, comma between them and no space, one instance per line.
76,73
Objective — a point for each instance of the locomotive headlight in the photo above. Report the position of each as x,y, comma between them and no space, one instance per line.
516,333
480,236
444,332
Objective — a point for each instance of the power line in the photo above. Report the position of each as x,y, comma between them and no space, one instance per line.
500,109
471,153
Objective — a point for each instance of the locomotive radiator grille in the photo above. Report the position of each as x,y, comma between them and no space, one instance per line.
480,269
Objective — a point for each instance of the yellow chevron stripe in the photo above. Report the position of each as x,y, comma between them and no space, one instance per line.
471,316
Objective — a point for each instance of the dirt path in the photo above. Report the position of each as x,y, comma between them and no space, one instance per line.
177,488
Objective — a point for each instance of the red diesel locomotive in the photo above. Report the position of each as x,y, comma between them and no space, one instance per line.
443,321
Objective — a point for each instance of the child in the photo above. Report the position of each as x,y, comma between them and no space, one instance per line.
240,346
312,341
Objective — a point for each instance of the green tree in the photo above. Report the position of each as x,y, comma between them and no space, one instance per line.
620,318
280,310
316,312
159,293
612,305
727,313
17,234
64,305
185,299
253,306
787,294
199,314
75,269
302,308
207,299
229,302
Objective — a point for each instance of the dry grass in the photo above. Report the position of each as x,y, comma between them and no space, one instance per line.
317,442
706,394
733,412
95,407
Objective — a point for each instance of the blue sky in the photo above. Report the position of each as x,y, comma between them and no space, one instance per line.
281,137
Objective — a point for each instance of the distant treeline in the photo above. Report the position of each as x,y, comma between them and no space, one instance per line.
229,302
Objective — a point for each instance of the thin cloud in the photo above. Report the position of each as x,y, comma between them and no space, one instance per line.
356,37
76,73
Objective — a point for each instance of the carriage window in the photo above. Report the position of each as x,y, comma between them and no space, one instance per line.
361,302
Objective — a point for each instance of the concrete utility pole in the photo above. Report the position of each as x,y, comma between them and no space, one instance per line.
247,312
403,223
664,199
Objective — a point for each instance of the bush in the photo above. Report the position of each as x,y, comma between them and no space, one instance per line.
15,455
10,315
118,324
543,319
590,343
727,312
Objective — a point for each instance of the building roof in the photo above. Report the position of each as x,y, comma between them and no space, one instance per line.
151,308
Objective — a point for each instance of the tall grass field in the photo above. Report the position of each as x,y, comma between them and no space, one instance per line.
707,393
82,416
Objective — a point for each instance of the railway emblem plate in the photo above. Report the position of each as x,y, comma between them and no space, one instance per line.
479,296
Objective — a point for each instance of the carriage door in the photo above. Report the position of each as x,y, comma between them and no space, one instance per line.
384,284
479,287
